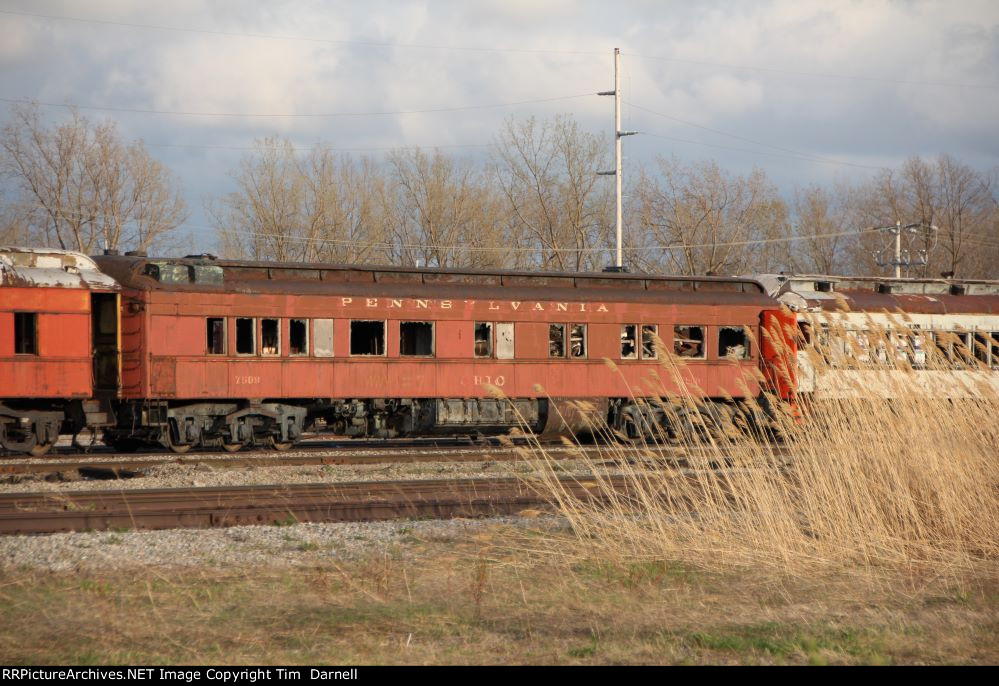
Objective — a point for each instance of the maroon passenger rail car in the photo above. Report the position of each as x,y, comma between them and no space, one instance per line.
229,353
58,346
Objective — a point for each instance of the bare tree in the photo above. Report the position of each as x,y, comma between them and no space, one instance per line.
945,193
318,206
442,212
703,220
822,220
79,185
547,173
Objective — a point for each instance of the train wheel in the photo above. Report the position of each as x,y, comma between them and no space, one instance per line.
232,447
39,449
279,446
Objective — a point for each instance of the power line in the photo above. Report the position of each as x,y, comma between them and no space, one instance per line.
761,152
305,39
315,115
486,49
300,148
791,151
814,74
348,241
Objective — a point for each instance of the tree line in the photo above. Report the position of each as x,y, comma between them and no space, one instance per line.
535,202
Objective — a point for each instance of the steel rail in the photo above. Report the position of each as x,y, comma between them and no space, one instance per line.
41,513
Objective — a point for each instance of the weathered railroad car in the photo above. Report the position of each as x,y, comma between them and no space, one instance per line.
867,334
229,353
58,346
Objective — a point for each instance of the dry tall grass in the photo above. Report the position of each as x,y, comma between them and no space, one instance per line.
882,473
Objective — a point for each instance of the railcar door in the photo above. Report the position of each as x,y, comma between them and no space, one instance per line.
106,343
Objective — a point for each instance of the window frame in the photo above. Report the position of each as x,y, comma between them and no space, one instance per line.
307,350
747,353
553,326
490,339
586,341
350,337
260,350
225,336
314,341
704,341
634,340
655,350
433,338
253,343
36,352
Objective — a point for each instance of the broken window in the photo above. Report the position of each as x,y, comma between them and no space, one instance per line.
649,333
270,336
629,342
483,339
298,337
216,336
25,333
556,340
577,340
734,343
688,341
367,338
416,338
322,332
246,336
994,344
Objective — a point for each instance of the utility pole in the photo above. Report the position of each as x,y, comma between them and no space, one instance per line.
898,261
618,135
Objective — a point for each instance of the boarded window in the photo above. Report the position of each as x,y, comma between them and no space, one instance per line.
416,339
733,342
322,332
483,339
367,338
556,340
577,340
25,333
298,337
504,341
246,336
216,336
629,342
688,341
649,334
270,337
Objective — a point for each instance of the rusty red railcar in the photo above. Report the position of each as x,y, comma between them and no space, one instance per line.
58,346
229,353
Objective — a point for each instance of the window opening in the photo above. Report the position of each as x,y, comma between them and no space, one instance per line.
216,336
246,336
25,333
577,340
270,337
298,337
367,338
649,333
733,342
688,341
416,339
483,339
556,340
629,342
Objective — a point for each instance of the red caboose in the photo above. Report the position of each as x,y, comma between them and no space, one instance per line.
228,353
58,346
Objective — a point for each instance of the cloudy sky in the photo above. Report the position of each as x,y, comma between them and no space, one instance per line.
808,90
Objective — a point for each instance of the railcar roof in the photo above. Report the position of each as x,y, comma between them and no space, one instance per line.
50,268
199,273
879,293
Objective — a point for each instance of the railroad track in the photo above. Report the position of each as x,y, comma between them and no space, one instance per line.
43,513
115,467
